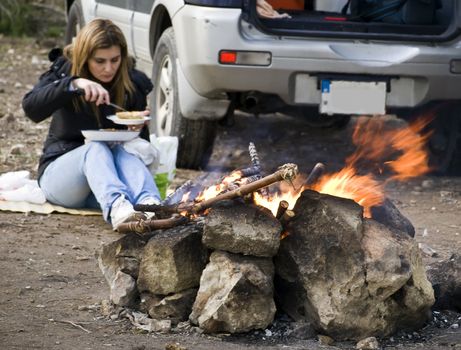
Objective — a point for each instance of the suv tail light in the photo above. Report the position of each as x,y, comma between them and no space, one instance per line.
455,66
245,58
216,3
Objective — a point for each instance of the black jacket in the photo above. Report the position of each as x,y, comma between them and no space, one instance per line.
51,97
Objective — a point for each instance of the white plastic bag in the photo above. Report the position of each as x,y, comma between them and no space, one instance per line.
16,186
14,179
165,171
144,150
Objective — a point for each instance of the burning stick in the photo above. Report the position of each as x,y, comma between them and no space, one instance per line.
256,164
287,217
143,226
287,172
315,174
254,156
247,172
283,206
240,182
157,208
177,195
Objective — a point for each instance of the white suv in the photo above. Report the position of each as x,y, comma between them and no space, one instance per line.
209,57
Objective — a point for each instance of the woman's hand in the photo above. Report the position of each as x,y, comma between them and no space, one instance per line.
94,92
138,127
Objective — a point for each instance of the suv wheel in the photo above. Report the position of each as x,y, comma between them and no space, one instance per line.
196,137
445,141
74,21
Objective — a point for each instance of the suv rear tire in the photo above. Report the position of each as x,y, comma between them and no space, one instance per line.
196,137
445,141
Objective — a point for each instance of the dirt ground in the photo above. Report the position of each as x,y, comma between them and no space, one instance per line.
51,289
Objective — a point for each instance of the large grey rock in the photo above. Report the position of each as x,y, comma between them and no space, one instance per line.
352,278
123,255
395,278
172,261
242,228
235,295
175,307
123,291
445,277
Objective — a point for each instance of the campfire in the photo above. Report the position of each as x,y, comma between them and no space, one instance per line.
400,152
329,247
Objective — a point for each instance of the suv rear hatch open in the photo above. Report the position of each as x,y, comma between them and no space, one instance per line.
411,20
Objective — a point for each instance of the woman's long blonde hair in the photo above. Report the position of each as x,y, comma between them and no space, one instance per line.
101,34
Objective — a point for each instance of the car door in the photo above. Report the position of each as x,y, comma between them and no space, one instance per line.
121,13
141,25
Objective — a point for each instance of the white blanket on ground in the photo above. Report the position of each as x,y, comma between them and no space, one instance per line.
19,193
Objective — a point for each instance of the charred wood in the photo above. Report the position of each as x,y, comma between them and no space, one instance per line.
254,156
144,226
315,174
161,211
283,206
251,171
388,214
178,194
287,217
256,164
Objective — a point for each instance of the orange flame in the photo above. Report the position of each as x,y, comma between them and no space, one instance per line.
286,192
214,190
376,146
364,190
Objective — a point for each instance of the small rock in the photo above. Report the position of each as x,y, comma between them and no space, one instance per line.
17,85
455,326
163,326
427,184
82,258
325,340
427,250
9,117
268,333
301,330
35,60
17,149
425,232
106,307
369,343
174,346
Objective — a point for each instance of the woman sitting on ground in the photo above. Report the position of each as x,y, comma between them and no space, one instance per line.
76,91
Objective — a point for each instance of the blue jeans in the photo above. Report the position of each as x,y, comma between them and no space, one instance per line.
96,174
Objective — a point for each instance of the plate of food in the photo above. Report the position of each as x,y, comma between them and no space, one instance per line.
109,135
129,118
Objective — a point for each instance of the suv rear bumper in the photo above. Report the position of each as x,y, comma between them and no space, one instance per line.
418,73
